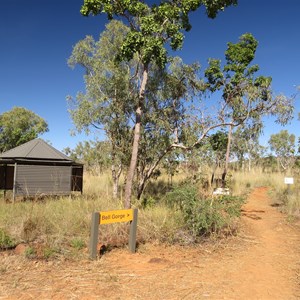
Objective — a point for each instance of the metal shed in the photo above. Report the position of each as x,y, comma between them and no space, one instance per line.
36,168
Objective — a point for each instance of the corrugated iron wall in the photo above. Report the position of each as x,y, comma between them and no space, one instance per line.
34,180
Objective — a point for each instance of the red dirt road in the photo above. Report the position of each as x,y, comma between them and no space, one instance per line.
263,262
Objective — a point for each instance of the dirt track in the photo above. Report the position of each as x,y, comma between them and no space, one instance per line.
263,262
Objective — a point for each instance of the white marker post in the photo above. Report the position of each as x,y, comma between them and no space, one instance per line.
289,181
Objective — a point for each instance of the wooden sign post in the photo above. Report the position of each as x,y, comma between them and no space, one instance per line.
113,216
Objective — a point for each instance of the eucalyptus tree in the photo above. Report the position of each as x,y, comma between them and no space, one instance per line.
95,155
164,121
245,145
246,98
18,126
283,144
152,29
106,104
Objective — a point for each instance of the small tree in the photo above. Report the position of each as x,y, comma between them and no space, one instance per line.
245,145
283,144
94,154
245,98
19,126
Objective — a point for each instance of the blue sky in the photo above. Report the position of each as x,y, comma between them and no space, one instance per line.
37,39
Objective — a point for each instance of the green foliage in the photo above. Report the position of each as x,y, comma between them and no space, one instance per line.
214,74
245,144
152,27
246,98
152,30
283,144
269,163
96,155
202,215
19,126
240,55
218,142
108,102
180,195
164,116
6,242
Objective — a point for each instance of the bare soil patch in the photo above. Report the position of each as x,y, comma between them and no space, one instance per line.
262,262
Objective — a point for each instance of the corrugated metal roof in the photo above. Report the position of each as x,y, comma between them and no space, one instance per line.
35,149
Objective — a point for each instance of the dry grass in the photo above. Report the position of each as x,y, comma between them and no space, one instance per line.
160,223
58,222
288,197
63,224
255,178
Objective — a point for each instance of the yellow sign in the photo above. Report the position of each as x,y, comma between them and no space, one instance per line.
114,216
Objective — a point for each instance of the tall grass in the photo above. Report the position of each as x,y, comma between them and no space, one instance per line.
287,197
241,181
56,222
62,224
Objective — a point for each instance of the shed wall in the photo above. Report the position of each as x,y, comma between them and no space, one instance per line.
34,180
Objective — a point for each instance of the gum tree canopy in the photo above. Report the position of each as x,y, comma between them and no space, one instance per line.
107,102
19,126
152,29
246,97
283,145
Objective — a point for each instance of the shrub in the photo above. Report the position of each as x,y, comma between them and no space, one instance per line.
205,215
181,196
6,242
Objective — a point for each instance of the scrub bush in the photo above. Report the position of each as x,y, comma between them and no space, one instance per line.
6,242
205,215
